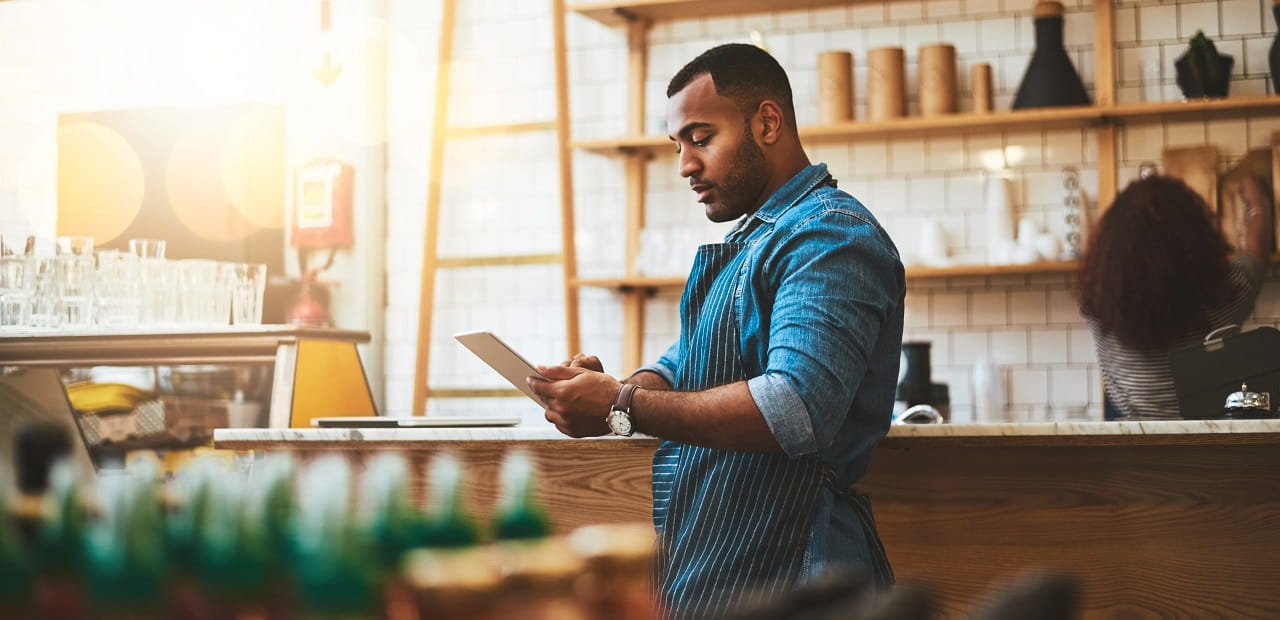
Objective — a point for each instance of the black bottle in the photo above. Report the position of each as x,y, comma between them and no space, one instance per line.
1050,80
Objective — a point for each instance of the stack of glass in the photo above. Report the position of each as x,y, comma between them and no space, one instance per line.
76,288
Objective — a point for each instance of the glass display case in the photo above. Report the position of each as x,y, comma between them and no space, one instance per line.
168,389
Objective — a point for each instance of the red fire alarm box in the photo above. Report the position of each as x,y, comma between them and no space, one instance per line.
322,205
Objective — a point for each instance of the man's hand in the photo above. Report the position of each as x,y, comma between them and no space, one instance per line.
590,362
577,398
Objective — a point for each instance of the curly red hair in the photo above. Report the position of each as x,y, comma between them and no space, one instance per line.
1155,265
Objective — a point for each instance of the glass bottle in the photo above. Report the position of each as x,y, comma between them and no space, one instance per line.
1051,79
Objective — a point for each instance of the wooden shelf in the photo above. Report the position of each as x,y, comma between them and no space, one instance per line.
958,271
1046,118
633,283
1216,108
645,283
621,12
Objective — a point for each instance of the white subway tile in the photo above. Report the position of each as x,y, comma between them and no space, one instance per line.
1256,57
1137,62
989,308
1201,16
794,20
997,34
916,35
1081,345
869,14
905,156
1027,307
888,194
1063,307
870,158
981,7
905,11
1077,30
1185,133
1009,346
1069,386
968,346
945,153
1126,24
1049,346
916,309
1241,17
1157,22
884,36
1143,143
942,8
1028,386
949,309
927,193
963,35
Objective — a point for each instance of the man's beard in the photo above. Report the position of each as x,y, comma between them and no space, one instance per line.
744,182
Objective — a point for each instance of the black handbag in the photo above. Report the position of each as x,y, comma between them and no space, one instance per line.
1205,374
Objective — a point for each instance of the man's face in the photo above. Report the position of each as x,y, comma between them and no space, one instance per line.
717,152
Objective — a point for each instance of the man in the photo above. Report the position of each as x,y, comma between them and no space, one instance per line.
781,384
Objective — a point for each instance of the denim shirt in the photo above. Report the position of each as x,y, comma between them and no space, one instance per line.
819,310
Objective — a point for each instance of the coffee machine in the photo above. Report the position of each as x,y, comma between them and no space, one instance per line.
918,400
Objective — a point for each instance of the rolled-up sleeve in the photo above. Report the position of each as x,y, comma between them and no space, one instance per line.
836,279
666,365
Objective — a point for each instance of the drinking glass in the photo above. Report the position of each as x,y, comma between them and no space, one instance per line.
224,282
78,246
248,285
160,294
118,289
76,278
197,287
46,294
147,248
15,291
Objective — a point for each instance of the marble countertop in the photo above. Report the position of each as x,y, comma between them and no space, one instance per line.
547,432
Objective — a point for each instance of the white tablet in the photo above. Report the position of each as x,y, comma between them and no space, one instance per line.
411,422
502,358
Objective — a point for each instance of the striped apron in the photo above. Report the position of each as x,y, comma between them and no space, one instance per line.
733,527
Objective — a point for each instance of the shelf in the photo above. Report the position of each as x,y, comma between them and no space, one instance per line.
1046,118
959,271
1217,108
634,283
645,283
214,345
620,12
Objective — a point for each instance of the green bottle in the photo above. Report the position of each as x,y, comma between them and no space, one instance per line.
519,515
392,525
333,566
15,578
124,551
57,553
449,526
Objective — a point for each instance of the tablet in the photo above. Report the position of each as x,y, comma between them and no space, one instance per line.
501,358
411,422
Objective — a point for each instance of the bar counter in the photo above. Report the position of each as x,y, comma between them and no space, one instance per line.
1157,519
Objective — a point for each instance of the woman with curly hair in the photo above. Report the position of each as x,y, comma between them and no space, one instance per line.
1158,275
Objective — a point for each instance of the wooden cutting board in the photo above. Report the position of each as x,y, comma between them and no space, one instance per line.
1257,162
1197,166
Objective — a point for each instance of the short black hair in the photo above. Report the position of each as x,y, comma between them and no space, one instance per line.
744,73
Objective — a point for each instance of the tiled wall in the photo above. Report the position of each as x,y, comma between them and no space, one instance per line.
501,194
1027,324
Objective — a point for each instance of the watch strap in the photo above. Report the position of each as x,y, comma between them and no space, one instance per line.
623,403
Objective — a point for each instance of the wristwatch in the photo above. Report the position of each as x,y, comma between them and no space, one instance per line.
619,418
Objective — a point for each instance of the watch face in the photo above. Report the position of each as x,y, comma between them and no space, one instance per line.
620,423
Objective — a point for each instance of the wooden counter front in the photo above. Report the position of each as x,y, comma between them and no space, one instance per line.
1157,519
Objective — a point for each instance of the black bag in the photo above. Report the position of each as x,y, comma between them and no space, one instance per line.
1205,374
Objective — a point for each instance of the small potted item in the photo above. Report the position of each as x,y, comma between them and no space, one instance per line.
1202,71
1246,405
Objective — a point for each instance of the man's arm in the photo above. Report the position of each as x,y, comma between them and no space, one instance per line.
723,418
